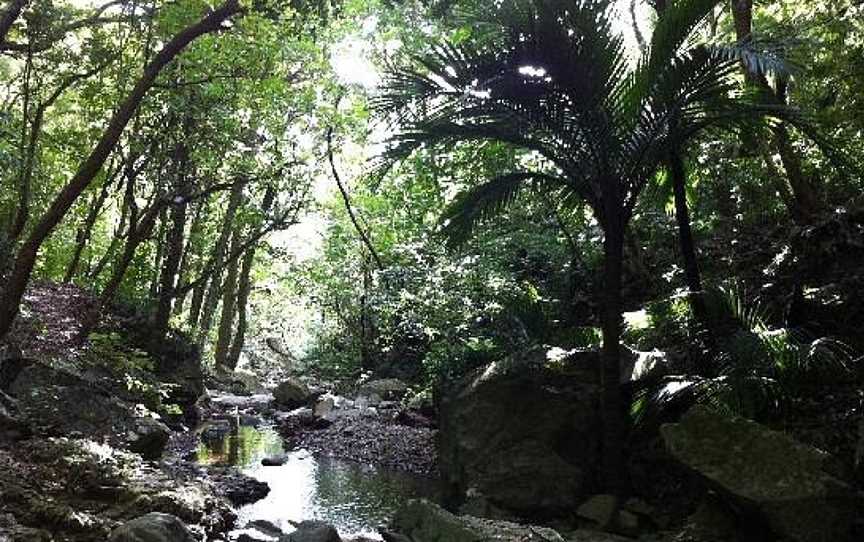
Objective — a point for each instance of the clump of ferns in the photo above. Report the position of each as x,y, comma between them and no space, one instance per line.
763,373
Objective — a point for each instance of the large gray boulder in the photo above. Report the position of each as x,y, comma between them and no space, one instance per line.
153,527
292,394
60,403
313,531
422,521
791,486
523,433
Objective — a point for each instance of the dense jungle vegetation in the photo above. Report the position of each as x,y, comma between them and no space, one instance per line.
347,190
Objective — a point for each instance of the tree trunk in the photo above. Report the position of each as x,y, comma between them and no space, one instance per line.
614,419
211,293
805,197
82,237
188,250
137,235
10,301
171,265
244,289
10,15
159,256
682,217
229,305
168,278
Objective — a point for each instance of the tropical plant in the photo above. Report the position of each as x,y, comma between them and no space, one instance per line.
553,79
760,372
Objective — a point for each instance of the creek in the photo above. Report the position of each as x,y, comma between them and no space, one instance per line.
354,498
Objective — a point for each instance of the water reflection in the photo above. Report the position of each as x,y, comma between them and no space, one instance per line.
355,498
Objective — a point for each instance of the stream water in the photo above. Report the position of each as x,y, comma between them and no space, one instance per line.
354,498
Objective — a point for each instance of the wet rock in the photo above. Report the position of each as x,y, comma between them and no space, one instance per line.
154,527
265,527
534,458
148,438
274,461
238,488
301,419
766,475
313,531
422,521
292,394
258,401
216,430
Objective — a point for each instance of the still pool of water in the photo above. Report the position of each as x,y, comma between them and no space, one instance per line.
354,498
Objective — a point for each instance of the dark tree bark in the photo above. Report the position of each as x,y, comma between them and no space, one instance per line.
213,291
806,200
82,236
682,216
174,242
159,256
10,301
244,289
229,306
10,15
615,427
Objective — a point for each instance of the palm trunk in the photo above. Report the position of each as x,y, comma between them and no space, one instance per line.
614,420
25,261
682,216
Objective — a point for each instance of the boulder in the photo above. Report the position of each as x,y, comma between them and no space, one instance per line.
423,521
313,531
292,394
153,527
60,403
599,509
522,432
387,389
324,407
766,475
240,489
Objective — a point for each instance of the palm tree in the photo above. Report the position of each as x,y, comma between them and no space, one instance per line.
551,77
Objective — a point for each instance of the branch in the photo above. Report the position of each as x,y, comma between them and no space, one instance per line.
347,200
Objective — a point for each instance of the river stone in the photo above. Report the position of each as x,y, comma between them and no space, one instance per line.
423,521
522,433
153,527
313,531
767,473
292,394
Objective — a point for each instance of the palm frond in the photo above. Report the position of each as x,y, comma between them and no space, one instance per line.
487,200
